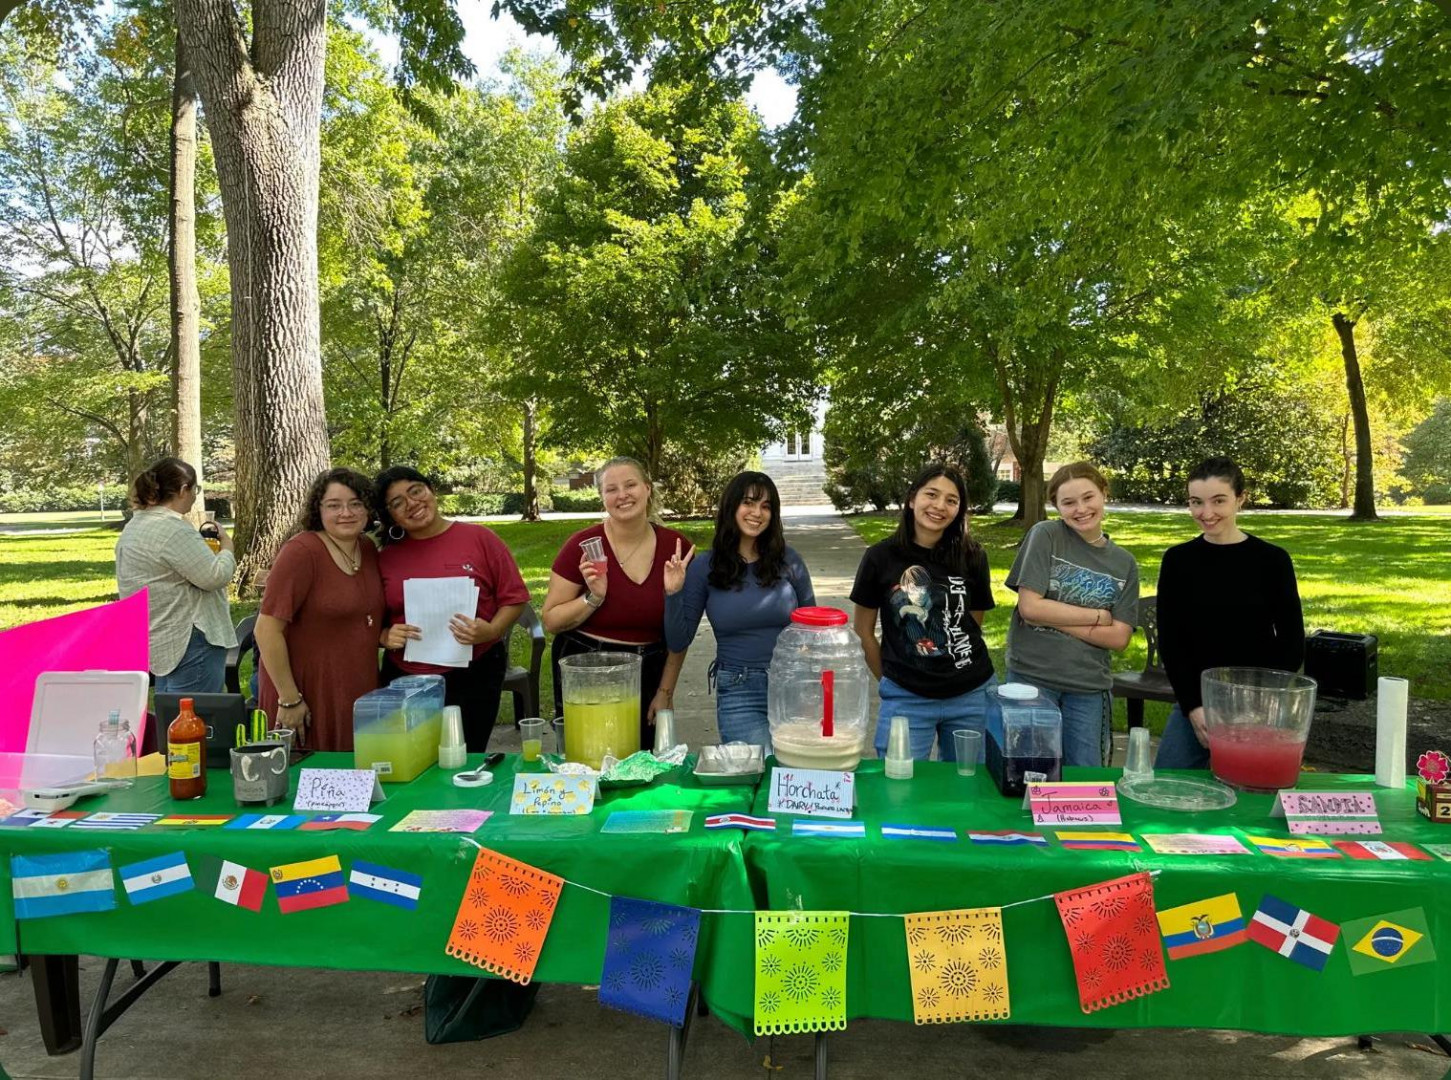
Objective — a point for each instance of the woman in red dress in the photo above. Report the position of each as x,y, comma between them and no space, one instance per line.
322,615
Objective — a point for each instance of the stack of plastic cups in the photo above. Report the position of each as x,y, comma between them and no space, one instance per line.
1138,764
452,753
664,731
899,750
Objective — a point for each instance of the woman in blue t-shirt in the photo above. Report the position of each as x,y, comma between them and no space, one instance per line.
929,584
747,586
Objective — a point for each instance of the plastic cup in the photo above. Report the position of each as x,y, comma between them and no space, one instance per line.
664,731
1138,762
532,733
899,750
967,745
594,551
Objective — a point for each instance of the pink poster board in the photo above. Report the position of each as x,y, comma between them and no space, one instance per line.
112,637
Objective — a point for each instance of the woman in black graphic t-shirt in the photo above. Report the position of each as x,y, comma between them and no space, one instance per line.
929,583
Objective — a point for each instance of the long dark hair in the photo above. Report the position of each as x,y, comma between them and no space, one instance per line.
165,479
381,483
957,549
727,568
311,518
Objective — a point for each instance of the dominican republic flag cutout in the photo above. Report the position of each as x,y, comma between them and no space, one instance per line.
1293,932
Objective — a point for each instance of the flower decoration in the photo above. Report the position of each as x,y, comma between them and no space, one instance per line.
1433,767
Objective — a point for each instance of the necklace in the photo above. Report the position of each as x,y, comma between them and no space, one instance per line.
623,559
354,561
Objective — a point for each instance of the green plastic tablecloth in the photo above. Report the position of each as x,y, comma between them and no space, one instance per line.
1246,987
701,869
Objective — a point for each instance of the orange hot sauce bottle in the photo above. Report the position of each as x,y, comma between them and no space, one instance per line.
186,754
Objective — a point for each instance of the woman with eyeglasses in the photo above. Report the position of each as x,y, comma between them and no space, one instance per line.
419,542
322,615
159,550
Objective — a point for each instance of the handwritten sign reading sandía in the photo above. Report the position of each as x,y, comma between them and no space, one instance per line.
1074,804
812,792
338,790
1328,813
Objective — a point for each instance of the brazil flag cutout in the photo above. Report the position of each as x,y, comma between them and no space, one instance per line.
1396,939
800,971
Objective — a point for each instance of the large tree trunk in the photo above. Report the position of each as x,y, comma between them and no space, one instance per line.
1347,462
1364,509
1029,391
531,487
186,357
263,109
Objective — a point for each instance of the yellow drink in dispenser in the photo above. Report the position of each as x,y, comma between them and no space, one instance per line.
601,706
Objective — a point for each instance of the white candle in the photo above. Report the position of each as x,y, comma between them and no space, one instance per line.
1390,732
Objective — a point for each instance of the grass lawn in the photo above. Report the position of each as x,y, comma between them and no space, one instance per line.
1391,578
47,574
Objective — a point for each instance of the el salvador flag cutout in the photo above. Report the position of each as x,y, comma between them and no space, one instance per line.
156,879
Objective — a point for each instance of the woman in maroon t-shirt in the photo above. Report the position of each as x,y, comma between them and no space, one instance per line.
419,542
618,604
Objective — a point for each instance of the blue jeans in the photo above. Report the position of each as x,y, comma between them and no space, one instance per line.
1087,716
203,669
740,705
936,719
1180,748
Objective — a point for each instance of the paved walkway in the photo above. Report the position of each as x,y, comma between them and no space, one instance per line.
272,1022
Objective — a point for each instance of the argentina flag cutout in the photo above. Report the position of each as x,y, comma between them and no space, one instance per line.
64,884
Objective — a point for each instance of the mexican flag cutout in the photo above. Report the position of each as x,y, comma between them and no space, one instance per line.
232,883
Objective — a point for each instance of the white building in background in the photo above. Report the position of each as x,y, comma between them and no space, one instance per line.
796,463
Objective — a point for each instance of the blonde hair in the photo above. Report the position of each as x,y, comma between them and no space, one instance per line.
1077,470
652,507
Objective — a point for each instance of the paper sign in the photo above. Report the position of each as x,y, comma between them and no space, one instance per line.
552,794
648,821
1074,804
337,789
430,604
812,792
1328,813
1441,851
1194,844
1294,847
457,821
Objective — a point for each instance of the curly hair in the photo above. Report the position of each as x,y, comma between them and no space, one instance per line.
310,519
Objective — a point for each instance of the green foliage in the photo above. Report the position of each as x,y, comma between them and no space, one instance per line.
480,504
576,502
33,500
1428,451
1278,434
644,298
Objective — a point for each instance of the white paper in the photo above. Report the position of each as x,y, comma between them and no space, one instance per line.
429,604
337,789
1390,731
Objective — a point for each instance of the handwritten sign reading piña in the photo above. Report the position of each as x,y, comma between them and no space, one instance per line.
337,789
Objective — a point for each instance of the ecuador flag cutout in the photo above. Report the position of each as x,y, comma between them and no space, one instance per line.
1204,926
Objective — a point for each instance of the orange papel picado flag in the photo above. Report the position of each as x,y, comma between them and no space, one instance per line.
504,917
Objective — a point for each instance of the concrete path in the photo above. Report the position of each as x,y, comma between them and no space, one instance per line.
287,1022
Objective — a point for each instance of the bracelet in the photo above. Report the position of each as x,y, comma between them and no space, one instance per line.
289,704
668,691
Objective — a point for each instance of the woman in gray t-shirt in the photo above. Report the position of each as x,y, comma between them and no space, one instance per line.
1078,601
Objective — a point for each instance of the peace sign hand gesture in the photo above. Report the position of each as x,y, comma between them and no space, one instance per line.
675,570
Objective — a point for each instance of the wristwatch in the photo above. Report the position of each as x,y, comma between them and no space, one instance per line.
592,601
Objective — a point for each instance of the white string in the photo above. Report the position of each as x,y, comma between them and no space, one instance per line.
752,911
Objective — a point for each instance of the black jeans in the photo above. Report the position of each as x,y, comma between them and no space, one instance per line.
474,689
652,670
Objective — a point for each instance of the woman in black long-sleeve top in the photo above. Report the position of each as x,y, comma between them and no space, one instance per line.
1225,598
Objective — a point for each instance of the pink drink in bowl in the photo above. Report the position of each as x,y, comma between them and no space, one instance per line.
1257,720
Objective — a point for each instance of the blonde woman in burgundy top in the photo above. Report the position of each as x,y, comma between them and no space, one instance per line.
621,609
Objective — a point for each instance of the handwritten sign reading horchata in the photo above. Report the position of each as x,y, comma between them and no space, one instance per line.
1328,813
337,789
812,792
1074,804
